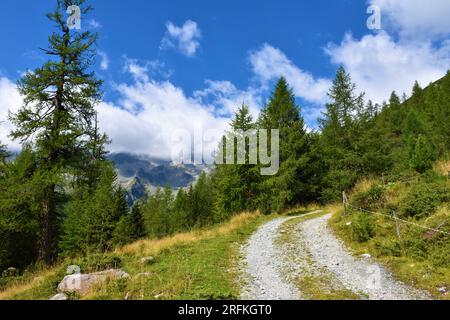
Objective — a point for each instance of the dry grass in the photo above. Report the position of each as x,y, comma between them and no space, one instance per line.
21,286
334,208
155,246
363,186
442,167
302,208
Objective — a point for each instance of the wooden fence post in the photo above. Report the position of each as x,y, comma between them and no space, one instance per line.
397,225
344,202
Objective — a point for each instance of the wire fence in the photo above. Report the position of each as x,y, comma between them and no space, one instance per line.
392,217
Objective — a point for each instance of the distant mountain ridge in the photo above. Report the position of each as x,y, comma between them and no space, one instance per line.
141,175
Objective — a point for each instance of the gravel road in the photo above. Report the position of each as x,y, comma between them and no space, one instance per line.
264,265
358,275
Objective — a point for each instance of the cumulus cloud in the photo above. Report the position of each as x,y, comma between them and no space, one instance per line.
413,45
379,65
104,60
226,98
10,100
416,18
269,63
185,38
149,116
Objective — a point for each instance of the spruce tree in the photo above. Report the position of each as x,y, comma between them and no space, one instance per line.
290,185
236,183
58,114
341,129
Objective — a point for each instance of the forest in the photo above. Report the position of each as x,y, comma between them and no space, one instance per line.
59,197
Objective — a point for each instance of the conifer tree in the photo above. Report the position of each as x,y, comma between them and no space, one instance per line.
290,184
341,129
58,114
236,183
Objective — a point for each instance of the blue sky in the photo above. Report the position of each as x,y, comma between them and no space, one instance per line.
169,64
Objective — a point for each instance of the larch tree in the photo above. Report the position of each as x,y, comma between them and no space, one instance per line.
58,116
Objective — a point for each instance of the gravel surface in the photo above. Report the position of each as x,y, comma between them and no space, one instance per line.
358,275
265,264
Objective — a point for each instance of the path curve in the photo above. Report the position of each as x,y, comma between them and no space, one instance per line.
358,275
264,262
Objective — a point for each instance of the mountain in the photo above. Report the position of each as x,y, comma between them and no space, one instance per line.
140,174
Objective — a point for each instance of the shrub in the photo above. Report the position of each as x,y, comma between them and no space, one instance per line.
370,199
424,198
363,228
98,262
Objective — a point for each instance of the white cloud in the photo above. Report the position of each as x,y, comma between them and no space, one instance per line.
416,19
148,115
10,100
94,24
269,63
104,62
226,98
413,45
185,38
380,65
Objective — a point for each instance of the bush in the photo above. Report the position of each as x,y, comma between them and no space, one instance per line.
363,228
370,199
424,198
98,262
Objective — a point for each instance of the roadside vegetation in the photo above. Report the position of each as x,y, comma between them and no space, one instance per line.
194,265
419,253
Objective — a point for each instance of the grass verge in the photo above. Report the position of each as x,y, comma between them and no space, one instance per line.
201,264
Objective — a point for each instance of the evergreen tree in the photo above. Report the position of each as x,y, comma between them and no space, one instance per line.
422,155
341,129
236,183
290,185
58,115
93,217
19,190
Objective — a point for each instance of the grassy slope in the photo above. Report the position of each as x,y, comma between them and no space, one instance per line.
195,265
398,256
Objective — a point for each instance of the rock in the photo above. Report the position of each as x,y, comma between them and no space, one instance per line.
82,283
442,289
144,274
148,260
10,272
59,297
366,256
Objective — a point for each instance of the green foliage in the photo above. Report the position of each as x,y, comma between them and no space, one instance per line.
58,117
422,154
290,185
363,228
19,189
371,199
93,217
97,262
424,198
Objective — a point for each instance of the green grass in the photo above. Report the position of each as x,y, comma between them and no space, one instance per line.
420,272
202,265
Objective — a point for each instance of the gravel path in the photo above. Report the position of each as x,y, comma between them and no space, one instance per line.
358,275
263,267
264,264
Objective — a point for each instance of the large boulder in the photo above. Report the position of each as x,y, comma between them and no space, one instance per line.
82,283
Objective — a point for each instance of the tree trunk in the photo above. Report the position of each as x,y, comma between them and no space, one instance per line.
46,221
